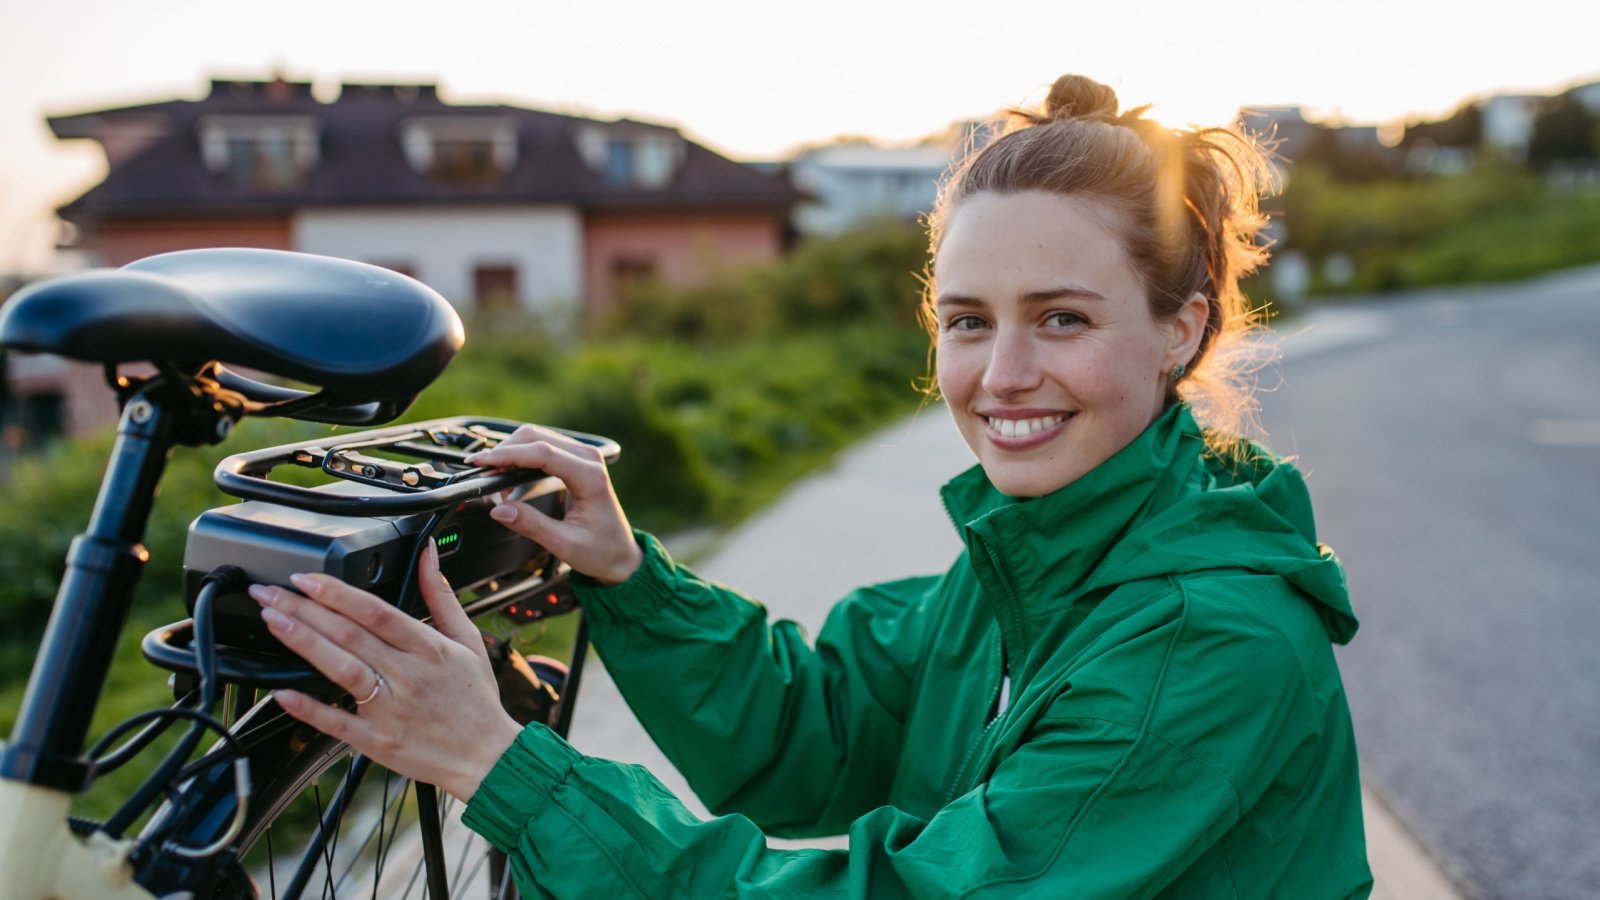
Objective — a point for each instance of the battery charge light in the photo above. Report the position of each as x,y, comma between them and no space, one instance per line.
449,540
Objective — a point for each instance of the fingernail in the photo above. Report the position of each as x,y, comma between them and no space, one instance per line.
286,699
472,459
505,512
262,594
277,621
307,584
432,554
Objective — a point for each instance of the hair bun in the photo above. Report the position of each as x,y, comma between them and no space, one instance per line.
1074,96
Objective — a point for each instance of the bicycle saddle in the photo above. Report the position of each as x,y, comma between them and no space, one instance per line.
355,330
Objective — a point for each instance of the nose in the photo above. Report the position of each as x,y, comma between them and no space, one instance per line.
1013,365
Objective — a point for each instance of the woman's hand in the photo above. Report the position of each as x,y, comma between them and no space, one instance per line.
431,710
593,537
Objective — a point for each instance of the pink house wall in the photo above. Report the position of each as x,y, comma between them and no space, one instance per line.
681,249
117,243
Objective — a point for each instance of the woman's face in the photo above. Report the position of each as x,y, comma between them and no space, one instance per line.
1048,355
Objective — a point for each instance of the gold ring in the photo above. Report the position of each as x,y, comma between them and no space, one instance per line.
375,689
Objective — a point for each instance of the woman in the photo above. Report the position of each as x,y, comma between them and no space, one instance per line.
1124,687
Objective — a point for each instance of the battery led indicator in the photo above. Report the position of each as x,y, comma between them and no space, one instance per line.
449,540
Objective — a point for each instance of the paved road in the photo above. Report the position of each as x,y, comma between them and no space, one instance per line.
1452,444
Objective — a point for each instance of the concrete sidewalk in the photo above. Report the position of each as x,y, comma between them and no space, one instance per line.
874,516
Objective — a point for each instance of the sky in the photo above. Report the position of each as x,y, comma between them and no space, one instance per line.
756,79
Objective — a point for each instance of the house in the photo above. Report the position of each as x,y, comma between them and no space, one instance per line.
1508,123
1589,96
494,206
1285,128
853,183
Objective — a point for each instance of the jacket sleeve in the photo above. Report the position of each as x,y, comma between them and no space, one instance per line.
800,739
1070,814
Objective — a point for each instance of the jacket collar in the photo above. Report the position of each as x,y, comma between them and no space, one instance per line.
1034,556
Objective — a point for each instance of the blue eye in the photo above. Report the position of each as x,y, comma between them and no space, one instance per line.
1063,319
965,323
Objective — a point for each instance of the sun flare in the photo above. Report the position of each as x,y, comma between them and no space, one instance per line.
1184,112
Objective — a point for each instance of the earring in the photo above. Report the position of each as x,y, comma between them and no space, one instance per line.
1177,371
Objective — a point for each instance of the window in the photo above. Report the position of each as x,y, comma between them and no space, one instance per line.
32,420
264,164
467,151
464,163
619,161
260,154
630,154
629,273
655,157
495,287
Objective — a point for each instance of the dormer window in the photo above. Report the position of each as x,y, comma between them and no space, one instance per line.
266,154
630,155
461,152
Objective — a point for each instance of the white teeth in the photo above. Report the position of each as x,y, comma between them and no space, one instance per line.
1014,428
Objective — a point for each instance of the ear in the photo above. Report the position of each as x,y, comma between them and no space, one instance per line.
1185,331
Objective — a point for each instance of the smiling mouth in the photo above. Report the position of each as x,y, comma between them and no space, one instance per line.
1023,428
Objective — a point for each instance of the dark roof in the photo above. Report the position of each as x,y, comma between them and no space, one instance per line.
361,163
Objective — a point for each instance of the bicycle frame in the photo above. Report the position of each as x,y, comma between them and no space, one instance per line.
42,765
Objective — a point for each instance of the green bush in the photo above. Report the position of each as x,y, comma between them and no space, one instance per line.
1491,224
869,276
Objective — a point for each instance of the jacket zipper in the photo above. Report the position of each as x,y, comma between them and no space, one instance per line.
994,697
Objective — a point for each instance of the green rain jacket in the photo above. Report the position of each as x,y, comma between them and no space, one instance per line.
1122,689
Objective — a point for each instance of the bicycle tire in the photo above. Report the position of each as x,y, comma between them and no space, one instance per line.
293,792
290,764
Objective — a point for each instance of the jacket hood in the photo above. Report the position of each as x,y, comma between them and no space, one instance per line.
1161,506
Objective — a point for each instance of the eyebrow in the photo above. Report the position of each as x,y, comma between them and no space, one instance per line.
1071,292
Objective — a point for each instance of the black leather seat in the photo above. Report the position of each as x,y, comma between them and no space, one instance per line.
358,331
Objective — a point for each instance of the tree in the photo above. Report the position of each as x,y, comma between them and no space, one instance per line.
1563,131
1463,128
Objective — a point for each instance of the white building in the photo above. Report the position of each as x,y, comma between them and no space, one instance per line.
856,183
1508,123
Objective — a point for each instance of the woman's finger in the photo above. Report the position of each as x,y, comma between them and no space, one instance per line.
330,720
584,473
530,433
394,627
555,535
332,625
339,665
448,616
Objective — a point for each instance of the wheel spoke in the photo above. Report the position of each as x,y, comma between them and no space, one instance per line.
322,841
461,861
376,831
272,867
477,866
399,817
505,875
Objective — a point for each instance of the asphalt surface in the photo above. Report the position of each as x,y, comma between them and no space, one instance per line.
1451,440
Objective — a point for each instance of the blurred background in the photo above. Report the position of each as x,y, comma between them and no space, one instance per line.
694,227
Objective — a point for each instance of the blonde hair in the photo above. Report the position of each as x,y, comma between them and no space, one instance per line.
1185,204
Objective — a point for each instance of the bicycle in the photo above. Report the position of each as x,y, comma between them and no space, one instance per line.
369,341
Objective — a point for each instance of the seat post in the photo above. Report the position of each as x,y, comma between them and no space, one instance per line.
91,606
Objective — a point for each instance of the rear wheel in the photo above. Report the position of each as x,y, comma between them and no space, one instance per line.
324,822
355,829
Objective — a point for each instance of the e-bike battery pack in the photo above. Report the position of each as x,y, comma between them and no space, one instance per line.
271,542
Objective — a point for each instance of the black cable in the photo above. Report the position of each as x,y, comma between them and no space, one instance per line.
425,535
104,765
205,649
